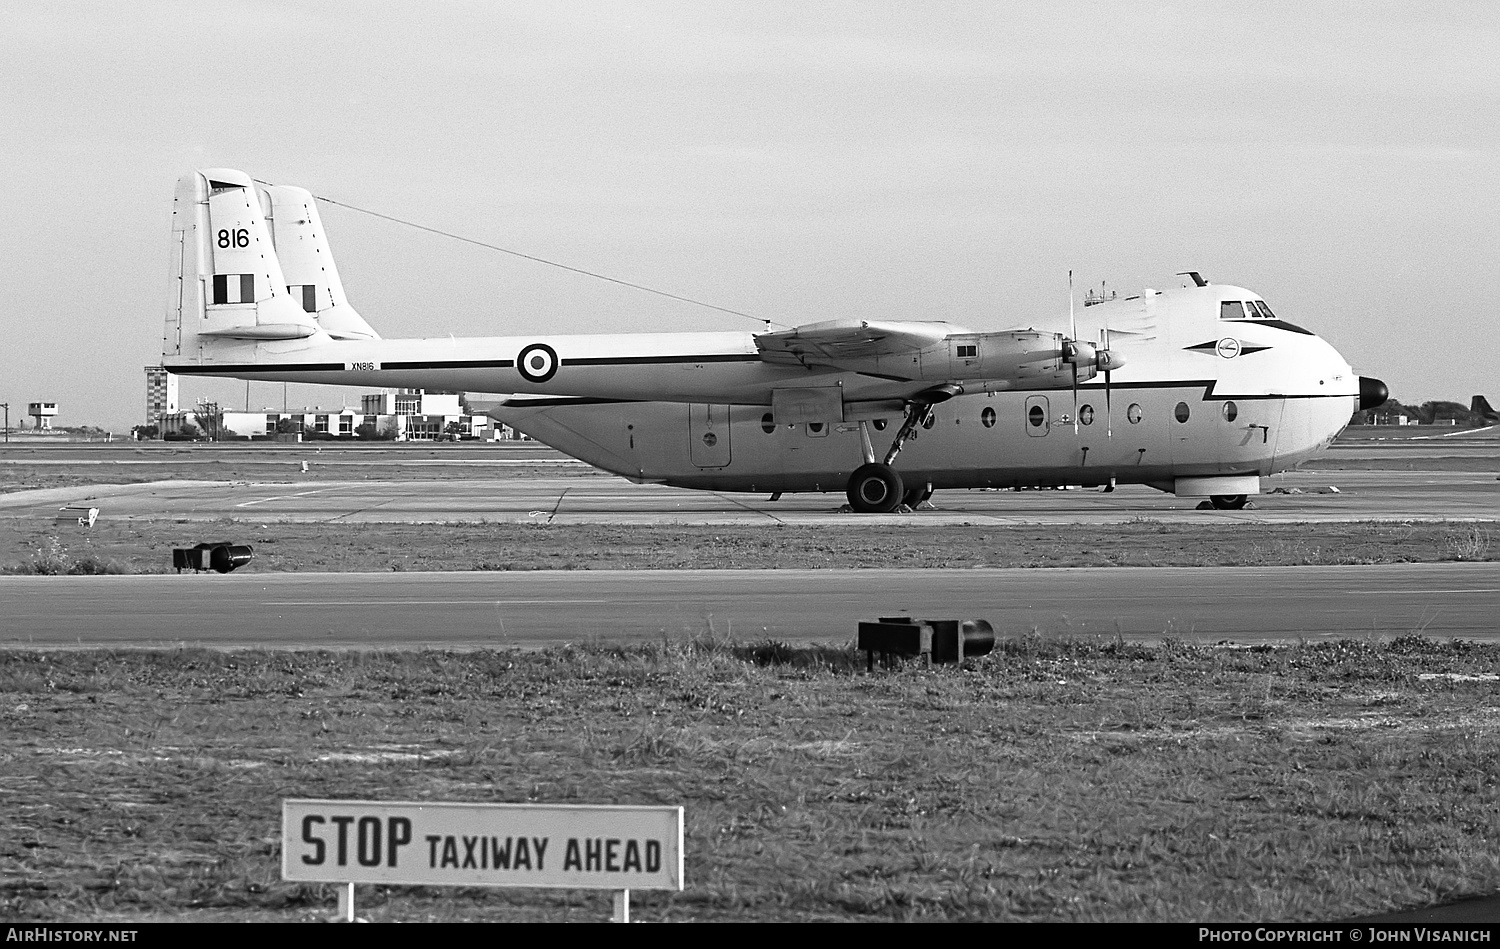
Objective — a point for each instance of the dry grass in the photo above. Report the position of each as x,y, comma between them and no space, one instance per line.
146,546
1057,780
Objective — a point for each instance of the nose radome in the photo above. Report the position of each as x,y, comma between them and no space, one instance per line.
1372,393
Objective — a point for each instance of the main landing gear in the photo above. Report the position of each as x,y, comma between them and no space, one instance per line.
1228,502
875,487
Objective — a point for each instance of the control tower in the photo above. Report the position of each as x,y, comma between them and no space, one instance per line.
43,413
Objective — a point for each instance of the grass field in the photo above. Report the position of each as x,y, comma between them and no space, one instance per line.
1052,781
146,546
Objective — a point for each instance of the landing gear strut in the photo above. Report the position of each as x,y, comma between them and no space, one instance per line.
875,487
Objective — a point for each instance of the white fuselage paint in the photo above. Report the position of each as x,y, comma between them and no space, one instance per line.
1278,398
691,409
1213,390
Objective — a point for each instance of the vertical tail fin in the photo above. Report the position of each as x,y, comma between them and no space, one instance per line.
226,280
307,264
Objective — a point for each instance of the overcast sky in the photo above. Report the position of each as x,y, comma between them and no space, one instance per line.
798,161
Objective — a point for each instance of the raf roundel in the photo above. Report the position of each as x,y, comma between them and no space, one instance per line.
537,362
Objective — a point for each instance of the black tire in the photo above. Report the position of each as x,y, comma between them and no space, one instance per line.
875,488
1228,502
915,496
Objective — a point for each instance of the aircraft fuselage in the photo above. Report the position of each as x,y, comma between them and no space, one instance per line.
1199,390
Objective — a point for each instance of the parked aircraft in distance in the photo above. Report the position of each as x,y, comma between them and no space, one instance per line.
1200,390
1481,407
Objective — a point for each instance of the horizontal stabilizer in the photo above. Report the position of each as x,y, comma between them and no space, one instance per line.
263,331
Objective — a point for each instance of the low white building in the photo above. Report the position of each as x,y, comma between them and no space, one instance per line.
404,415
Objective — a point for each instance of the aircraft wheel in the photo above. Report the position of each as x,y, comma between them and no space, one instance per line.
874,489
1228,502
915,496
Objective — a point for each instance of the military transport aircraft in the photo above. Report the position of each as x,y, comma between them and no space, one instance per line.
1481,407
1200,390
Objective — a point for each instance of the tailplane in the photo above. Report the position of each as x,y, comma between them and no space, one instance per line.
1481,406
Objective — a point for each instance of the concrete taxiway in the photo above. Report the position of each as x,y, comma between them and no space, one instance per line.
1423,478
586,496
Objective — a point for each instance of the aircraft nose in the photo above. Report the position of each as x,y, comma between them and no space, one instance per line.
1372,393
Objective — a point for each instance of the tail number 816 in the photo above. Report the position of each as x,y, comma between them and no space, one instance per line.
236,238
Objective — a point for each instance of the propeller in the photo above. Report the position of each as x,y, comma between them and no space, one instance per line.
1109,421
1072,345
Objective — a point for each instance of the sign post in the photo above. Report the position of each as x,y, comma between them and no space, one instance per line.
620,848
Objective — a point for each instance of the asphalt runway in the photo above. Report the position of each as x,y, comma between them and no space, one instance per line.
528,609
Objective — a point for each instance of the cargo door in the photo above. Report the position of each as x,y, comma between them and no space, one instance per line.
1038,416
708,435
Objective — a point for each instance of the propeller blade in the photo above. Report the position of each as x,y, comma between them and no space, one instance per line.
1109,422
1073,339
1075,396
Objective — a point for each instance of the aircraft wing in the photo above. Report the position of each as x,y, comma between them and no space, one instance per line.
938,353
838,344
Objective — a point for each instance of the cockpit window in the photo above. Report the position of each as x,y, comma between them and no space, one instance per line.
1265,311
1231,310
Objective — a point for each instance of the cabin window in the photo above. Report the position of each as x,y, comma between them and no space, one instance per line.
1182,412
987,417
1036,416
1231,411
1086,415
816,429
710,439
767,423
1134,414
1231,310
